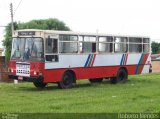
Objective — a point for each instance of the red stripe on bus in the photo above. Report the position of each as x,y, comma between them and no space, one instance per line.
126,59
93,60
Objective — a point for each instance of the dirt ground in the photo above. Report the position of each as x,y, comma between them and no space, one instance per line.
155,66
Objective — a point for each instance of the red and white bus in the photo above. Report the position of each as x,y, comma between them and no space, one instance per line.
47,56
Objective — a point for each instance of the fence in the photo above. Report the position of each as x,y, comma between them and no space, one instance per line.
4,73
3,70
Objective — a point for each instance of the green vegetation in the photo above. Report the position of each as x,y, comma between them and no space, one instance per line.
45,24
155,47
140,93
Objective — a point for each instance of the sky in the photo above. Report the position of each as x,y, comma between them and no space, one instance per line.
125,17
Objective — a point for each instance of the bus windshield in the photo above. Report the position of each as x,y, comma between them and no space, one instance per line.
27,49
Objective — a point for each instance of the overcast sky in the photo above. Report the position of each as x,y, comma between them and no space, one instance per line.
127,17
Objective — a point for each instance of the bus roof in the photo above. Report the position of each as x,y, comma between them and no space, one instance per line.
78,33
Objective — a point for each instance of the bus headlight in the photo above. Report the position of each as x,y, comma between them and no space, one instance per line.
35,73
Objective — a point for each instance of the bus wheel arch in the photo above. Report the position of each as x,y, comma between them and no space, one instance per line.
121,76
68,79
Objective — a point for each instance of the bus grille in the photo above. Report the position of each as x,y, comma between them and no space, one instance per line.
23,69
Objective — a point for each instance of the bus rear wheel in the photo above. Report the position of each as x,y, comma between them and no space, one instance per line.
121,77
67,80
39,84
96,80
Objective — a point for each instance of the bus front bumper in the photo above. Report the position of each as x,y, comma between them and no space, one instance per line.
28,79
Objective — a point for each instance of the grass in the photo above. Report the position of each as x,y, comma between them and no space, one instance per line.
140,93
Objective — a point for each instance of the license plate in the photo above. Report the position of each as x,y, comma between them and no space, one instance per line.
20,78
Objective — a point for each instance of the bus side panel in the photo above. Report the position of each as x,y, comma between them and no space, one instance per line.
101,66
145,69
101,72
55,75
96,72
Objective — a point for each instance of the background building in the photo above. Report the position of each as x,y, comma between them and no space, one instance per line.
1,50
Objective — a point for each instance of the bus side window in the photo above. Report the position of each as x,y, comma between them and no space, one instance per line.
51,45
93,47
88,44
146,45
105,44
68,44
51,49
52,58
135,45
120,45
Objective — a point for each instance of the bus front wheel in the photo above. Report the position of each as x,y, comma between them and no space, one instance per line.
122,76
39,84
67,80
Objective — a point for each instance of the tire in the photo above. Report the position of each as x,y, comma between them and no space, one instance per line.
67,80
96,80
39,84
121,77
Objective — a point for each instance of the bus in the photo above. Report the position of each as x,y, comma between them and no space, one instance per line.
63,57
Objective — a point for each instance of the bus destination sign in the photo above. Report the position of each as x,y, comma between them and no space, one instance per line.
26,33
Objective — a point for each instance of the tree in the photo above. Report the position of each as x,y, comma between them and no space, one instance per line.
155,47
45,24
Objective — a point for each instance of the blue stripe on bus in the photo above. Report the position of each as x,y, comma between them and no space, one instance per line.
122,59
87,60
90,61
